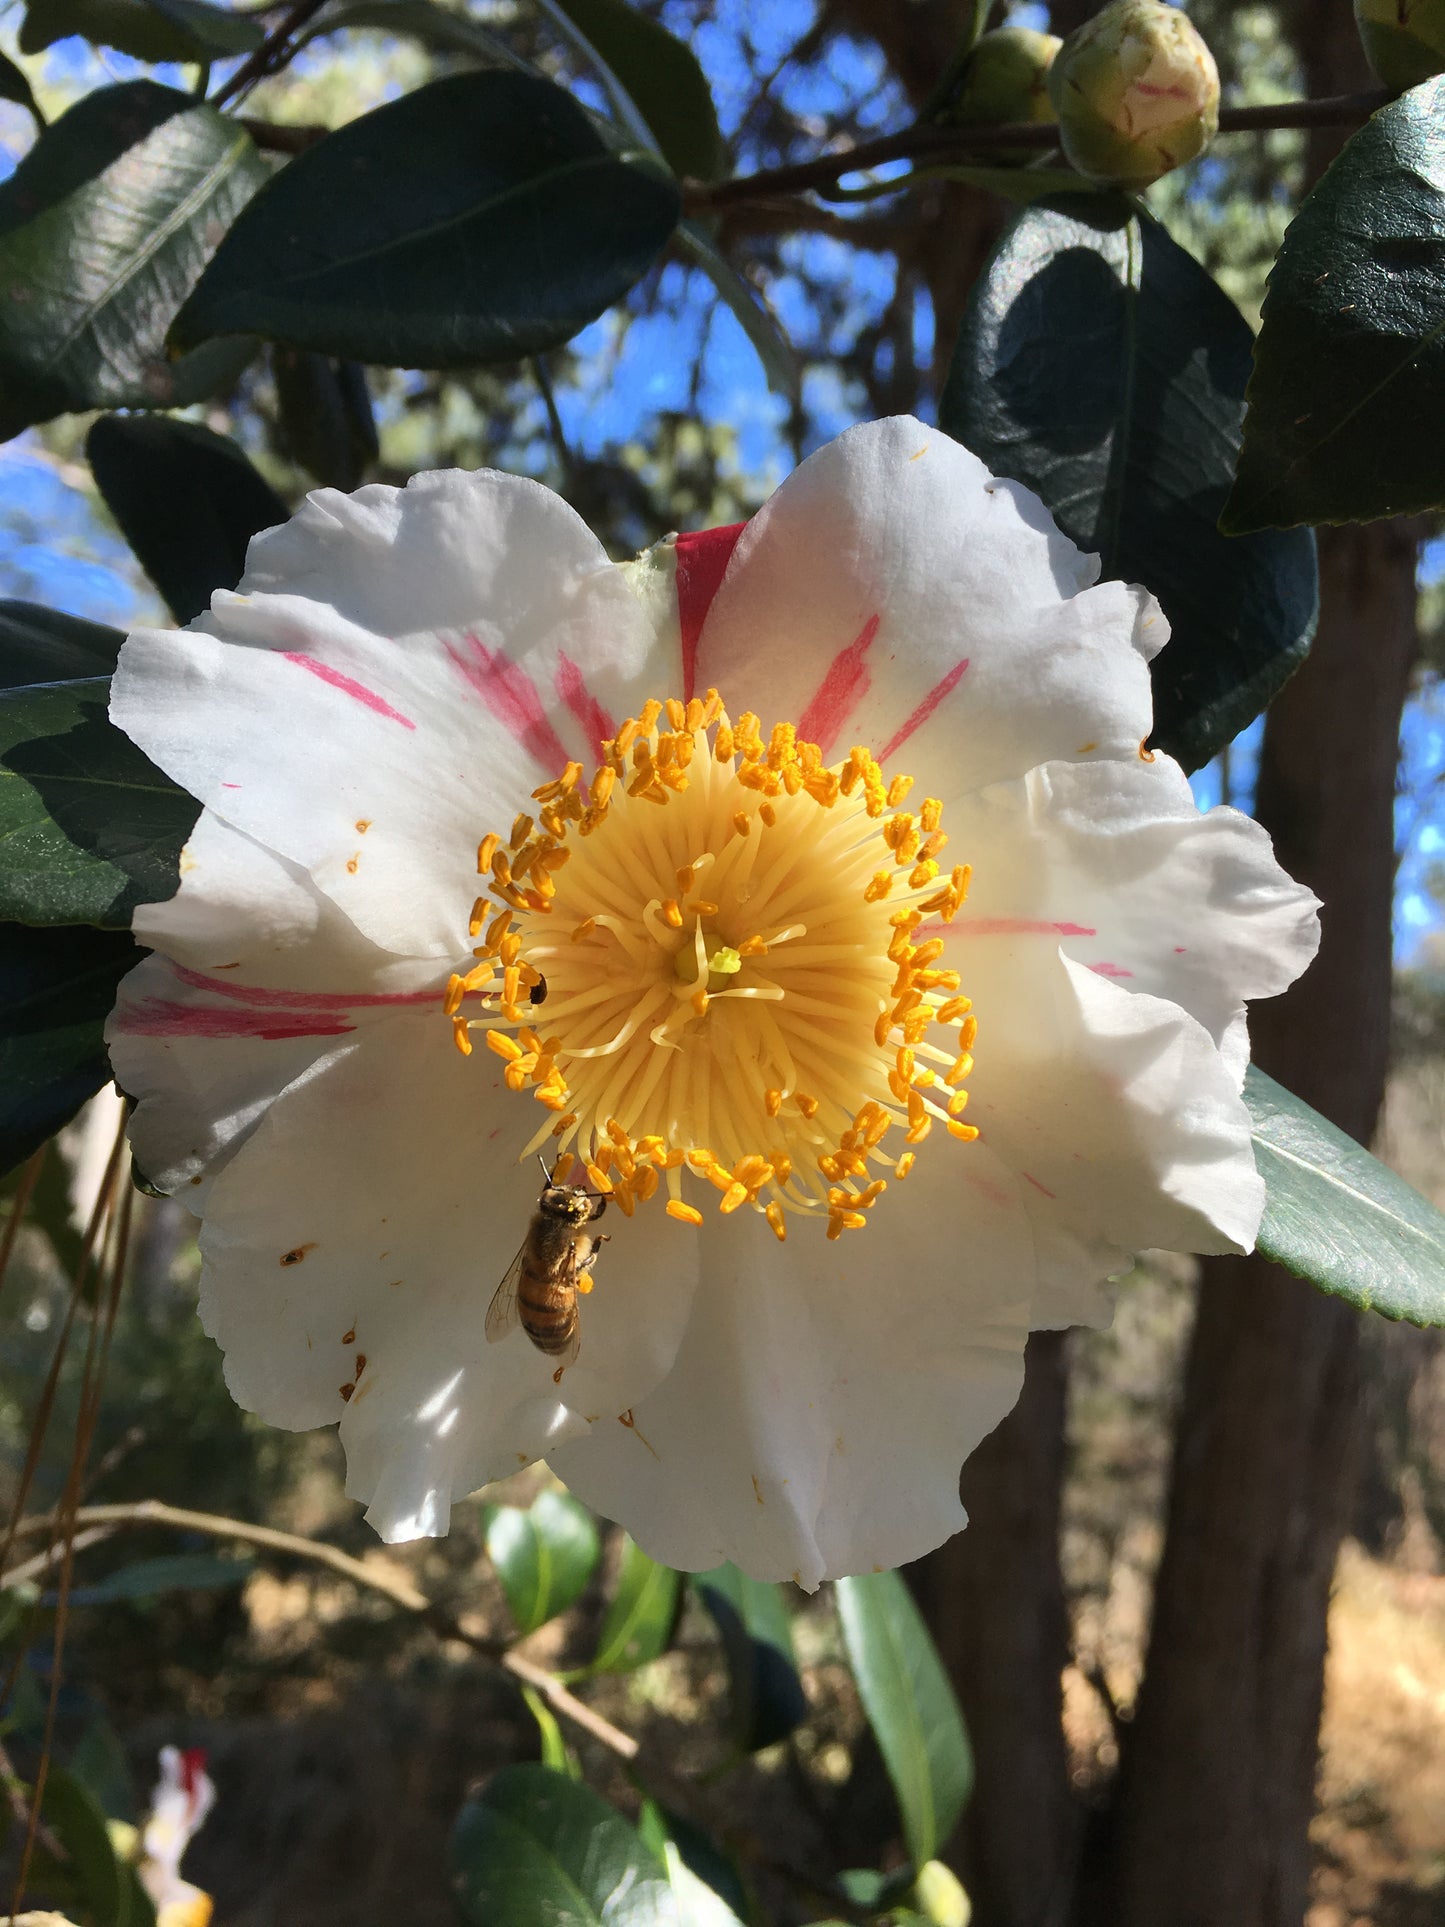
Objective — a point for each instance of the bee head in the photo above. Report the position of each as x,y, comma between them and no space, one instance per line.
562,1201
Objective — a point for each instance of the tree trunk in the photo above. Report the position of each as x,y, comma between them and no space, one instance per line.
1218,1780
994,1601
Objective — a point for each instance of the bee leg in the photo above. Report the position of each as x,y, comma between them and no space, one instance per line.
599,1205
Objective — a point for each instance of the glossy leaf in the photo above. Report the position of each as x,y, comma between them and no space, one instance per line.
780,364
172,1572
43,645
1340,1218
104,227
555,1751
56,991
433,25
479,219
187,501
537,1846
89,827
766,1694
699,1897
97,1883
1348,392
642,1614
324,416
543,1556
910,1706
1101,366
662,78
152,30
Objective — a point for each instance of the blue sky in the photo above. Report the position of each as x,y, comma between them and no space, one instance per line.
54,550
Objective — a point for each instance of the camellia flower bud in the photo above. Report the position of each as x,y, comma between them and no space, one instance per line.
1004,79
1404,40
1136,92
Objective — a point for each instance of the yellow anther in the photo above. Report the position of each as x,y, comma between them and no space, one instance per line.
521,830
461,1036
676,713
898,789
958,1069
735,1195
806,1104
772,1102
955,1008
966,1132
699,907
957,1103
686,878
782,1166
700,1001
742,822
671,913
768,814
684,1213
922,873
599,1179
584,930
452,997
486,850
931,814
723,744
774,1216
564,1124
905,1164
505,1047
878,886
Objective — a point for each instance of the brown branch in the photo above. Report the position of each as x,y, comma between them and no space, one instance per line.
273,52
960,145
277,138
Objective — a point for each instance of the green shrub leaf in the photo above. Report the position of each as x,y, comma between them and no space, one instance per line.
543,1556
766,1694
1340,1218
1348,391
479,219
104,227
642,1615
1099,364
153,30
662,79
910,1705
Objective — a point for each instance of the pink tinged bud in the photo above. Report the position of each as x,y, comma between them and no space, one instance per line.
1005,79
1136,92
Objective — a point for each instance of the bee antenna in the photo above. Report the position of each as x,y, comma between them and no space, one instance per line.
546,1174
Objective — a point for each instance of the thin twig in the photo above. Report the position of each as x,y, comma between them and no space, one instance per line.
962,144
271,54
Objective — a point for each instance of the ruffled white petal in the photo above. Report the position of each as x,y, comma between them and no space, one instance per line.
398,671
892,592
826,1393
370,1216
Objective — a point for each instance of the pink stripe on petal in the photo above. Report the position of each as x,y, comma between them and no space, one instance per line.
1110,970
944,687
348,687
1029,1178
158,1017
843,687
702,561
597,724
1016,927
301,1000
511,695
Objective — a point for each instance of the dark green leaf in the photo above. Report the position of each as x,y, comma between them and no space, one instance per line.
186,500
780,365
56,991
1340,1218
48,1209
89,827
324,416
766,1693
14,86
104,227
42,645
543,1556
663,79
910,1706
100,1764
1101,366
424,20
535,1846
555,1751
153,30
173,1572
708,1887
104,1887
1348,392
479,219
642,1616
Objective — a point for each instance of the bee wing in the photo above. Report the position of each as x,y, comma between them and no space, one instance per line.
502,1312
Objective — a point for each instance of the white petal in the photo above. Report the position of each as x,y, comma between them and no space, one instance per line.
261,977
894,593
826,1394
398,671
393,1174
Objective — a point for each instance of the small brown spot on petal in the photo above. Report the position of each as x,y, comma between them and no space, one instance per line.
363,824
757,1490
1146,755
349,1338
353,863
395,1282
346,1391
360,1363
297,1253
1084,748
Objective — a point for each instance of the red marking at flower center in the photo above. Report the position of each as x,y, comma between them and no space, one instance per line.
511,695
702,560
595,720
348,686
161,1017
944,687
845,683
261,998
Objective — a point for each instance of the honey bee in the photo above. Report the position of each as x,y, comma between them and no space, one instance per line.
539,1291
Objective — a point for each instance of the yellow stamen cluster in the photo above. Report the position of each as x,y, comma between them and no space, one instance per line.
740,954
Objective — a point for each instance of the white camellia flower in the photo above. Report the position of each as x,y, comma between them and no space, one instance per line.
509,850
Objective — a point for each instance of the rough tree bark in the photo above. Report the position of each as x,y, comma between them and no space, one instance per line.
1219,1773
